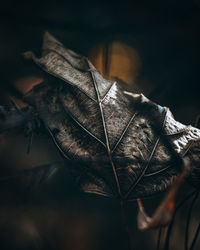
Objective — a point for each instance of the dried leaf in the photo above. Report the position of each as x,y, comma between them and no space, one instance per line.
124,145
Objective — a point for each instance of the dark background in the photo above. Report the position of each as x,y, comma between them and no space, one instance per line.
165,35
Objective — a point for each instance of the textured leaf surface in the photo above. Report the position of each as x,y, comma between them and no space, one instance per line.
126,146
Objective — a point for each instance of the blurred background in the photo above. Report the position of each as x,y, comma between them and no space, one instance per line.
149,47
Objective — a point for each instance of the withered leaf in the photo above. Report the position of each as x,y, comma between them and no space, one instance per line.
122,144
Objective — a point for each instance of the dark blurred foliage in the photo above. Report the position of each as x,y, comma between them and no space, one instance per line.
56,215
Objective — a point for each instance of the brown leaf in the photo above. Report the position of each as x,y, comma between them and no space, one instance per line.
122,144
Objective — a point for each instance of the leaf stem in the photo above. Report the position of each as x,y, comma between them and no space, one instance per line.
159,239
126,226
195,237
166,247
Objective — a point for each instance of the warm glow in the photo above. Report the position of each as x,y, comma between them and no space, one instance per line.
116,60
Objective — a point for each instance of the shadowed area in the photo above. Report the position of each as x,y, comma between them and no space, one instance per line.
148,47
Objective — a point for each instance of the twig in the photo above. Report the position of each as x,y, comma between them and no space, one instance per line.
166,247
126,226
195,237
159,238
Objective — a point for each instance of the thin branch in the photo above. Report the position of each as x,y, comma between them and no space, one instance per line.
159,239
195,238
167,240
126,226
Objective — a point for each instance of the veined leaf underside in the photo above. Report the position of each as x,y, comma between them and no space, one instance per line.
127,146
